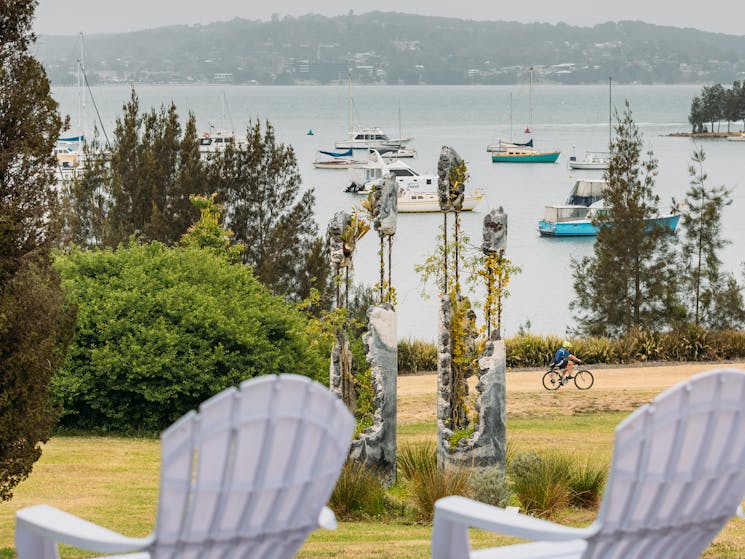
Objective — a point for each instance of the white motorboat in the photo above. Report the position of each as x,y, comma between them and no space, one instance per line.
216,140
417,193
364,177
412,200
372,138
593,161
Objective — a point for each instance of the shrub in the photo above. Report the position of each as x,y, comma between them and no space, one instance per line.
490,485
427,481
543,484
416,355
358,493
161,329
547,483
587,484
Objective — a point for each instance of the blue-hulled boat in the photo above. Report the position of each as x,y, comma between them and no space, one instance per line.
585,201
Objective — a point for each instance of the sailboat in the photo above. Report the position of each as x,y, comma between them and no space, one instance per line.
69,151
372,137
216,140
510,152
597,160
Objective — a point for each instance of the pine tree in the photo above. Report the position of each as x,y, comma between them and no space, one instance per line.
33,321
716,298
260,185
141,184
630,282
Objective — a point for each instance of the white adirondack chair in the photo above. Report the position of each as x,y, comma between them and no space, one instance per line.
677,476
246,477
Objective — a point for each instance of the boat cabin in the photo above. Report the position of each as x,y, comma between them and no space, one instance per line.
586,192
558,214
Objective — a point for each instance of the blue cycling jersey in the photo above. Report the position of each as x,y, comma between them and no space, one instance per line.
561,355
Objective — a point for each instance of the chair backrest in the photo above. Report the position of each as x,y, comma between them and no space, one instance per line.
678,472
248,475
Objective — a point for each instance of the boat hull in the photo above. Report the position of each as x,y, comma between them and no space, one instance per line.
585,228
431,204
581,166
543,157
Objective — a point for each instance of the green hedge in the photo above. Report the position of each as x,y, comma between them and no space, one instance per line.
161,329
529,350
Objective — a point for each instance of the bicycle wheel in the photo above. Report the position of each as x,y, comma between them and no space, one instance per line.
583,379
551,380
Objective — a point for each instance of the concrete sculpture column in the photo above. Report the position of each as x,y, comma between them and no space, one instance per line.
376,446
341,380
486,446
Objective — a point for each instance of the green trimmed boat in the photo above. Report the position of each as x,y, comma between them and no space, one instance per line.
523,155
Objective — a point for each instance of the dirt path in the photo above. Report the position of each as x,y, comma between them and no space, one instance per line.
622,389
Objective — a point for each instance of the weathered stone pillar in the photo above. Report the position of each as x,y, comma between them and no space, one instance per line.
376,446
487,445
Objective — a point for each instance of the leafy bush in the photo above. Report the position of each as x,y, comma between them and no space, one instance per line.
358,493
161,329
530,350
427,482
692,343
490,485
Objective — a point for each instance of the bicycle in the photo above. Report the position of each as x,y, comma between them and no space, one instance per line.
553,379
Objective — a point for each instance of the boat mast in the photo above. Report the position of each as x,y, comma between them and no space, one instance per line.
81,94
349,95
510,117
530,104
610,111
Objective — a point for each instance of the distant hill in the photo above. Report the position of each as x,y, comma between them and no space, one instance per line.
394,48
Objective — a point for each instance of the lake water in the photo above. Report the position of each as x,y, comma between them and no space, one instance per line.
466,118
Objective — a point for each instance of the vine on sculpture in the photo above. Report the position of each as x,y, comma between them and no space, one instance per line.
382,205
478,440
497,269
343,232
375,446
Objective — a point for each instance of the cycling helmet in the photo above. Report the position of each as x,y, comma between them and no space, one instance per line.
567,344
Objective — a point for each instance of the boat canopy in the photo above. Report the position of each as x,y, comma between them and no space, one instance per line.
347,153
557,214
586,192
72,139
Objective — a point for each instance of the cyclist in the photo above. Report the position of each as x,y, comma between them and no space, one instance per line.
564,361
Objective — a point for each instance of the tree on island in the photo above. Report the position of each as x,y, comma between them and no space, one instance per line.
631,280
716,298
34,321
714,104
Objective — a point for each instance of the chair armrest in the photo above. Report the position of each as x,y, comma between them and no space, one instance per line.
460,510
327,519
40,528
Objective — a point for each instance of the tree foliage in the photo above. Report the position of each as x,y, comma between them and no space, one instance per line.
141,184
161,329
714,104
33,318
715,297
630,282
260,186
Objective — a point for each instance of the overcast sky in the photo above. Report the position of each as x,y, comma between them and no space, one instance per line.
69,17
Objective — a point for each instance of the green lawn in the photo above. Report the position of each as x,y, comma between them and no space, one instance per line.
114,481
